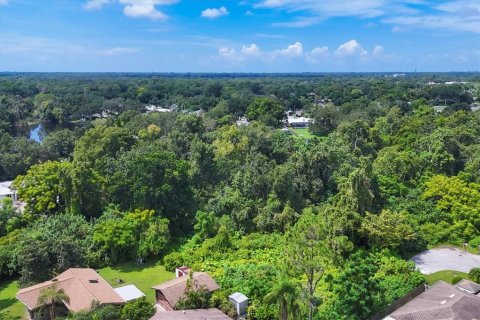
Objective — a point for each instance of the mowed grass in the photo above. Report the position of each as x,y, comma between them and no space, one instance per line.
445,275
303,132
10,307
144,276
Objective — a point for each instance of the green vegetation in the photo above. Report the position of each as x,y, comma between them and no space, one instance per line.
445,275
10,307
316,223
144,276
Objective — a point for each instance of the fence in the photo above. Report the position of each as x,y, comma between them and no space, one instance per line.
400,302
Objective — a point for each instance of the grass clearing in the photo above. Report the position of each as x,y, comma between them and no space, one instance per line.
144,276
445,275
10,307
303,132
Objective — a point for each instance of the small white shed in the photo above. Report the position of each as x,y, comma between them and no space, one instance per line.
239,302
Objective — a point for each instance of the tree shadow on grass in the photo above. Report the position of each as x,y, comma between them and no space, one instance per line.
6,314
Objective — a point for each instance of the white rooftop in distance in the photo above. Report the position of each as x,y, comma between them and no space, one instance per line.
5,188
130,292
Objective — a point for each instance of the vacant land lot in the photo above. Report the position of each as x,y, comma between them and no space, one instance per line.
144,276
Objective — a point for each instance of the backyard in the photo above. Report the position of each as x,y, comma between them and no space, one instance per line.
445,275
143,276
10,307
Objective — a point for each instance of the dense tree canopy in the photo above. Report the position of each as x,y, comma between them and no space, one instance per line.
315,226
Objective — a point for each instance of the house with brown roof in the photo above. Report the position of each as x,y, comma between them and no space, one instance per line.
169,293
442,301
198,314
82,286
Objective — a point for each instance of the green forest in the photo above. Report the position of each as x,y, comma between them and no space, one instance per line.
318,225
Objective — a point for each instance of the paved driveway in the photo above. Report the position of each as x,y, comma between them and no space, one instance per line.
434,260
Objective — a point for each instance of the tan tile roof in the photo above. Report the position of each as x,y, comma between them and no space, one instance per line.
200,314
83,286
174,289
441,301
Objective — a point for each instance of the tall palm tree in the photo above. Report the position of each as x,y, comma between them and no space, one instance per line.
286,294
51,296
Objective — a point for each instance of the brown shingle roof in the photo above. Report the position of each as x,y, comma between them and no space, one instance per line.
174,289
83,286
441,302
200,314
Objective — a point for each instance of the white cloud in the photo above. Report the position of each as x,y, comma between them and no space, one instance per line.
378,50
227,53
119,50
301,22
230,54
319,51
95,4
144,11
3,2
213,13
447,21
135,8
293,50
455,15
351,48
252,50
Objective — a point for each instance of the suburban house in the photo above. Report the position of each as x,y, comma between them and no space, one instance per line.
169,293
6,191
298,121
441,301
83,287
200,314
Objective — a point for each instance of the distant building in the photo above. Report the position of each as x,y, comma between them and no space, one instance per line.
298,122
169,293
7,191
82,286
242,122
442,301
239,302
153,108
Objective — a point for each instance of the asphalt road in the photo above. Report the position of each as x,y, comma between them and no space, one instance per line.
434,260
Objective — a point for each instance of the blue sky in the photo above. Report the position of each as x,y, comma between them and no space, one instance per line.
239,35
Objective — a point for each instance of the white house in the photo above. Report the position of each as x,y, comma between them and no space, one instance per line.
6,191
298,122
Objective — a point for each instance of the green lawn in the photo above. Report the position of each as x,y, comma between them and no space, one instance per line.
10,307
303,132
445,275
143,276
